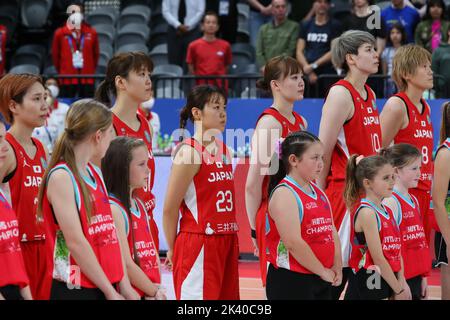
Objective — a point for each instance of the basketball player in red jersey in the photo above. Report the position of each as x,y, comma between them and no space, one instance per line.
406,118
349,125
23,104
13,276
205,252
128,79
87,259
125,169
283,78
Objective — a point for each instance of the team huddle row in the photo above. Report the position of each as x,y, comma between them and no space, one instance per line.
83,228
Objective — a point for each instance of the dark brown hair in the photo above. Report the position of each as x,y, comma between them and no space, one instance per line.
367,168
445,125
121,65
198,98
278,68
400,155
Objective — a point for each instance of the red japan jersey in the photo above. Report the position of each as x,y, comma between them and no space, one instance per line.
360,135
389,236
140,240
144,133
415,251
419,133
316,229
100,232
24,187
209,204
286,128
12,267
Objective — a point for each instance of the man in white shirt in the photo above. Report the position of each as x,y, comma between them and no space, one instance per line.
183,17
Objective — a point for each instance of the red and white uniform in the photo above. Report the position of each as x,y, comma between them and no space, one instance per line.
360,135
415,250
316,229
12,268
390,238
206,251
24,185
100,232
261,215
145,194
140,240
419,133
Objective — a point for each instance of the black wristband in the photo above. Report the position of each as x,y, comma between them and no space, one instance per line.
253,233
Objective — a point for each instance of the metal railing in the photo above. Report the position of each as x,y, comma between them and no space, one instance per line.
244,86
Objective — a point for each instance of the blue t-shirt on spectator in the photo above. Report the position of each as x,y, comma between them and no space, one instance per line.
407,16
318,40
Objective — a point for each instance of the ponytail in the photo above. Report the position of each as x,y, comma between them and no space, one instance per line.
352,189
356,172
103,92
296,143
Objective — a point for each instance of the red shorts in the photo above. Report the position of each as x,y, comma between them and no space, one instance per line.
260,224
206,267
38,260
429,221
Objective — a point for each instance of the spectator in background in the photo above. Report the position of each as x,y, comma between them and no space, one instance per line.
359,20
434,28
260,13
145,109
399,12
54,126
440,64
3,38
75,50
314,42
397,38
277,37
209,56
183,17
228,18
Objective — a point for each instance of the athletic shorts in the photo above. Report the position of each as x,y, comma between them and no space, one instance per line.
366,285
440,248
38,260
283,284
11,292
415,285
206,267
60,291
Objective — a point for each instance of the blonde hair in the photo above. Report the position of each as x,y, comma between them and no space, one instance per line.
84,118
348,43
406,61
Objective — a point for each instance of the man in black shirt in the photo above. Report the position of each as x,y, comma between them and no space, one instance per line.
314,44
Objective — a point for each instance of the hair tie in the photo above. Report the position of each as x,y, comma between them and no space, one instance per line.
358,159
278,148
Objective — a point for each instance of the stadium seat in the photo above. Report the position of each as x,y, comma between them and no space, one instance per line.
133,47
167,70
239,62
137,9
8,18
106,33
243,49
29,54
25,68
100,17
50,71
125,37
34,13
107,50
169,92
158,35
135,17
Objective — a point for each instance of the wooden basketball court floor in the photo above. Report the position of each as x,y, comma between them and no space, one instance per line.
251,286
